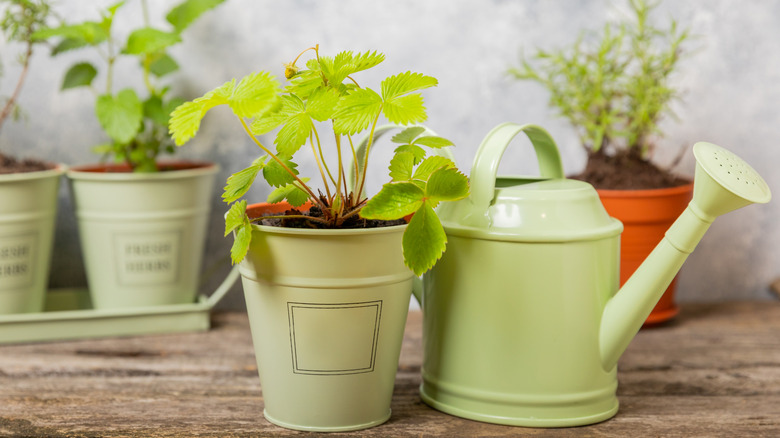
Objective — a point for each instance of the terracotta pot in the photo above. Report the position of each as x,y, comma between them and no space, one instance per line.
142,234
646,215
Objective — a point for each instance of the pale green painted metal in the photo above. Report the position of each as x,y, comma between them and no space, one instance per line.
28,207
142,235
69,315
327,310
522,321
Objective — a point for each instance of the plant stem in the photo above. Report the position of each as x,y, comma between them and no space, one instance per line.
368,149
341,177
12,100
355,161
322,157
145,8
319,165
281,163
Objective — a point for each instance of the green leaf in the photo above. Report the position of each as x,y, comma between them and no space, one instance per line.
255,95
120,115
188,11
394,201
241,243
345,64
276,176
153,109
185,119
404,83
446,185
294,195
149,40
305,83
68,44
267,123
79,75
424,240
235,216
416,151
401,166
163,65
430,165
293,134
240,182
321,104
89,32
404,110
407,135
434,142
356,111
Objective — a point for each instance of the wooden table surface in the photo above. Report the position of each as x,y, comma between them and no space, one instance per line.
714,371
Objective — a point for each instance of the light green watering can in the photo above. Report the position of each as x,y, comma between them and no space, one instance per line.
523,321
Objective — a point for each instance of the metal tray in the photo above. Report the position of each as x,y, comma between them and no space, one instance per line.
68,315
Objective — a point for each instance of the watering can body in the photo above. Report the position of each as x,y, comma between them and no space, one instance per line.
523,322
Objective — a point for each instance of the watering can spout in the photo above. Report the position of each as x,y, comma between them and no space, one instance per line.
722,183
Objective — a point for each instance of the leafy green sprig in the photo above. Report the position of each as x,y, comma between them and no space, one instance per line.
326,93
19,20
137,128
615,90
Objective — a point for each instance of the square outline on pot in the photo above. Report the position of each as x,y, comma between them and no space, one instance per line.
291,306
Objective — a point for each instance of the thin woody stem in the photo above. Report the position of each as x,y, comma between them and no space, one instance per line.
281,163
322,157
12,100
368,149
319,165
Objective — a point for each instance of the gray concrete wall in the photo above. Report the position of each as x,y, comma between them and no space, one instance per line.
731,93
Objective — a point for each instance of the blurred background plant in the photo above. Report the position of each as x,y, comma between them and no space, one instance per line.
137,129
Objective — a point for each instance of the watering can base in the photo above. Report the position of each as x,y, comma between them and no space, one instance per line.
549,416
313,428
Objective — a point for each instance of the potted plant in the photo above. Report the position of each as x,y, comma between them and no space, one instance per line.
324,279
142,221
28,188
614,90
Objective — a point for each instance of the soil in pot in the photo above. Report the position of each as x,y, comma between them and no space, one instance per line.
315,211
626,171
10,165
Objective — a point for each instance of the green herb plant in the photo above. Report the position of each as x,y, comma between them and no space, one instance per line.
615,90
137,128
326,96
19,20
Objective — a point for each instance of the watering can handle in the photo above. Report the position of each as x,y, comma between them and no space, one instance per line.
485,168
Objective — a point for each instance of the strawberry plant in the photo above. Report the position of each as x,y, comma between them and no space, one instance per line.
326,95
137,128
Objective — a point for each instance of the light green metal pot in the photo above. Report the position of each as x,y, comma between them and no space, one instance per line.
28,207
327,309
142,234
523,322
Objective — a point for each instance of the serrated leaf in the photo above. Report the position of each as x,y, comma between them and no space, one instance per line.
446,185
68,44
235,216
408,135
356,111
240,182
275,175
149,40
294,195
185,119
120,115
404,110
424,240
416,151
79,75
293,134
89,32
163,65
188,11
321,104
241,242
403,83
434,142
430,165
394,201
290,105
401,166
255,95
346,63
305,83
